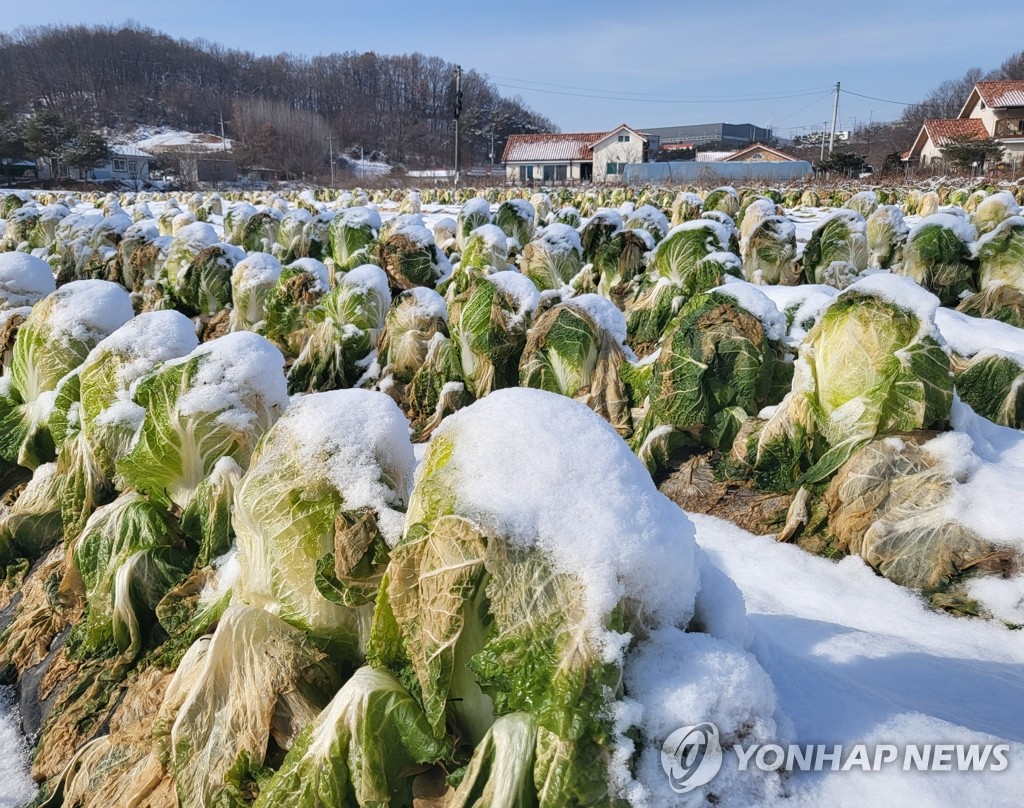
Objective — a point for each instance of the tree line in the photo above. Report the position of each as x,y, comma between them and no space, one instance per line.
285,111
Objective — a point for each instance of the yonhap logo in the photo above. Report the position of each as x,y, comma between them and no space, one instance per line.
691,757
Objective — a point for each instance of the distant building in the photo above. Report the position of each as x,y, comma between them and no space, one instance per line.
738,134
126,164
759,153
581,156
993,109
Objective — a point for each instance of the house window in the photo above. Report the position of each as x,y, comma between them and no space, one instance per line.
120,164
525,173
554,173
623,138
615,168
133,166
1009,127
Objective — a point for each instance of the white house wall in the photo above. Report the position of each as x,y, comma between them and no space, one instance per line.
612,151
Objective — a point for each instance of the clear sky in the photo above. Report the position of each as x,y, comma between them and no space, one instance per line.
592,65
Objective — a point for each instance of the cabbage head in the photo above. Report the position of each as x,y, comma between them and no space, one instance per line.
415,317
871,365
992,383
839,239
411,258
770,254
352,235
719,364
252,281
553,257
938,256
886,234
1000,254
475,213
323,500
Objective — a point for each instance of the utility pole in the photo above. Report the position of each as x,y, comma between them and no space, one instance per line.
223,140
492,147
835,114
330,146
457,112
824,128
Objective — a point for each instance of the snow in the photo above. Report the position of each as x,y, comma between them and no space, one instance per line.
807,301
904,293
960,225
418,234
604,313
720,231
973,335
85,311
24,279
425,303
371,278
226,568
360,217
145,341
856,658
18,787
493,237
477,206
755,301
999,232
646,216
315,268
240,372
360,438
195,235
147,140
560,238
258,270
519,288
513,456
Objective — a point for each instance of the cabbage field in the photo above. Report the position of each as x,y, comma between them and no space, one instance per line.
451,500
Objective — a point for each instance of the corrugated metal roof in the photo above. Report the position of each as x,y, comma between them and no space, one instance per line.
941,131
1002,93
713,156
550,147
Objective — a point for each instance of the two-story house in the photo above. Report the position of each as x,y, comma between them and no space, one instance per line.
993,109
578,157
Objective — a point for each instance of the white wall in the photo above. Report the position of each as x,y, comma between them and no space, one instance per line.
610,150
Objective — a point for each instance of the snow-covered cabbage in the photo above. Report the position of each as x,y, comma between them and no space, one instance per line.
486,250
507,609
938,256
410,257
414,318
289,236
886,233
345,327
321,503
475,213
204,286
722,361
488,325
576,349
724,199
863,202
516,218
996,301
685,207
99,403
872,365
299,288
619,265
890,504
214,402
839,239
252,281
553,257
32,524
993,210
1000,254
680,255
649,218
55,338
260,231
24,280
352,234
769,252
186,244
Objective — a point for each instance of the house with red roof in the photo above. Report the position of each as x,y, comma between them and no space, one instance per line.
576,157
993,109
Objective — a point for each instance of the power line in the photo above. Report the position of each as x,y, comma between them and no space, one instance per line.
768,95
651,100
883,100
817,100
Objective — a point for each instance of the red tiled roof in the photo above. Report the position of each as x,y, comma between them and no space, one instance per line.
1002,93
941,131
529,148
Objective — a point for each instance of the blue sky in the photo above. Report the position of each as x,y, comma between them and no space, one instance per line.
591,65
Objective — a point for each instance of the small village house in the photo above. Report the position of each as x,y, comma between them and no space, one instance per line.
578,157
993,109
